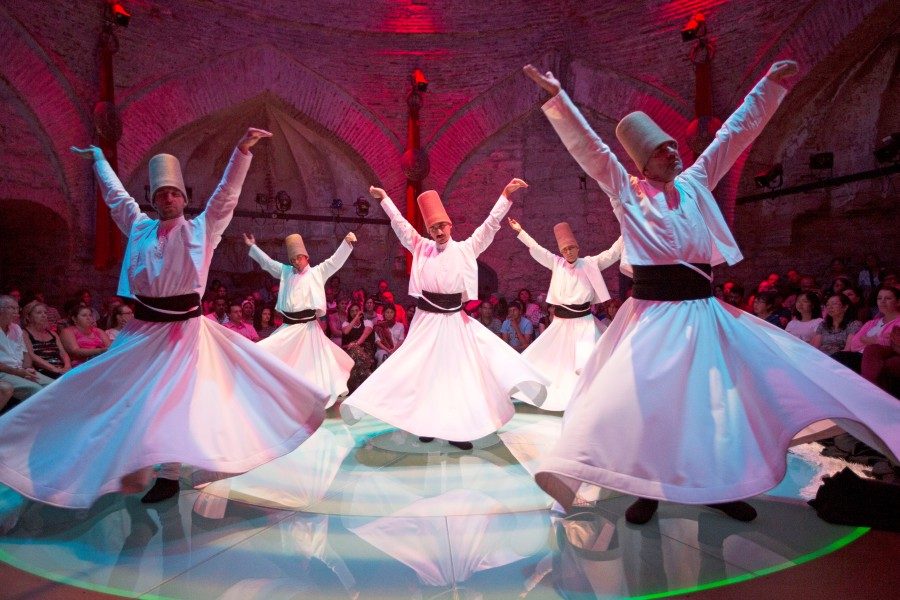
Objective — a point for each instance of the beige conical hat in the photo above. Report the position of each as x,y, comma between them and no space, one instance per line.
641,136
165,171
432,208
295,246
564,235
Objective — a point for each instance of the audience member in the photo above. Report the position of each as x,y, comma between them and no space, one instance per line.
357,331
838,325
370,312
44,347
877,331
516,330
858,308
869,278
764,307
121,315
807,309
389,334
881,364
15,363
530,309
219,312
83,340
265,322
336,320
486,317
236,322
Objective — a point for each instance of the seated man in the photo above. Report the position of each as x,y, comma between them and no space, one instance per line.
15,363
236,322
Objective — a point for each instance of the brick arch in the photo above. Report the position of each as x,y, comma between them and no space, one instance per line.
59,118
604,92
152,113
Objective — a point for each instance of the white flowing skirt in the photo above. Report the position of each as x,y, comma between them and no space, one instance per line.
192,392
308,351
451,378
697,402
560,353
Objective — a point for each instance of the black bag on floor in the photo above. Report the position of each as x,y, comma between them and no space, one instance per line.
847,499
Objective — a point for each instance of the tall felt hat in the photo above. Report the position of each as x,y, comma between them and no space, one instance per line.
564,235
641,136
432,208
165,171
295,246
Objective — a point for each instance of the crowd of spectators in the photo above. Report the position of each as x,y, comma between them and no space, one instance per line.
853,319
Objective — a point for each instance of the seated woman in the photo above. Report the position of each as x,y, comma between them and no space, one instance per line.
807,309
838,325
43,346
83,340
389,334
121,314
881,364
265,323
875,332
858,308
357,332
336,321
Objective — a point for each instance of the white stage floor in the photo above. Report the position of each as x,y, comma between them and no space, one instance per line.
372,513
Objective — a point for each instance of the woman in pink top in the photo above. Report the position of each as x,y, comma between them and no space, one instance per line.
83,340
874,332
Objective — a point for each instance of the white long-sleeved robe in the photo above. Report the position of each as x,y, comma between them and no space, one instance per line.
304,346
452,378
694,401
190,391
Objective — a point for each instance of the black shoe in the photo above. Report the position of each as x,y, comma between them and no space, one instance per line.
422,438
641,511
163,489
740,511
462,445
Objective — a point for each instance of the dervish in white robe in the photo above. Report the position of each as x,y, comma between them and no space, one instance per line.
562,350
452,378
186,391
692,400
300,341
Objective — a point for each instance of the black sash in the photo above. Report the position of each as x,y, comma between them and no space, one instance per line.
671,282
571,311
167,309
439,303
302,316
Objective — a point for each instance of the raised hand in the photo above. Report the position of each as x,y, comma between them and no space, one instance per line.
514,224
350,237
782,69
513,185
90,153
378,193
249,239
250,138
547,81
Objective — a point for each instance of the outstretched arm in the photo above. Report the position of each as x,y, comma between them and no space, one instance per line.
743,126
543,256
610,256
484,234
270,266
580,140
123,208
221,204
330,266
406,233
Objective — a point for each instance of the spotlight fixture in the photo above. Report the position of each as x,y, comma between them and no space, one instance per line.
283,202
888,150
362,207
771,178
120,16
821,160
694,29
419,81
337,205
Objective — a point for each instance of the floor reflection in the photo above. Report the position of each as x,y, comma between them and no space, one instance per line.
369,513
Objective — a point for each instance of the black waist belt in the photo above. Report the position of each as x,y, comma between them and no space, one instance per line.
302,316
671,282
571,311
167,309
439,303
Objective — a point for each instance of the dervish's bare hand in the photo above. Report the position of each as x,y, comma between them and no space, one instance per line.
547,81
250,138
513,185
377,193
249,239
350,237
514,224
90,153
782,69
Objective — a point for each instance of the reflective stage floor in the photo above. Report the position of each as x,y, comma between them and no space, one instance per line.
372,513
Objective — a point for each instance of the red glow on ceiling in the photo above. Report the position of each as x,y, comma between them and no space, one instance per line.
409,17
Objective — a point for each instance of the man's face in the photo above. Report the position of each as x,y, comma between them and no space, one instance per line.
486,310
440,232
807,284
382,286
300,262
9,312
235,314
570,252
664,163
169,203
219,306
514,313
